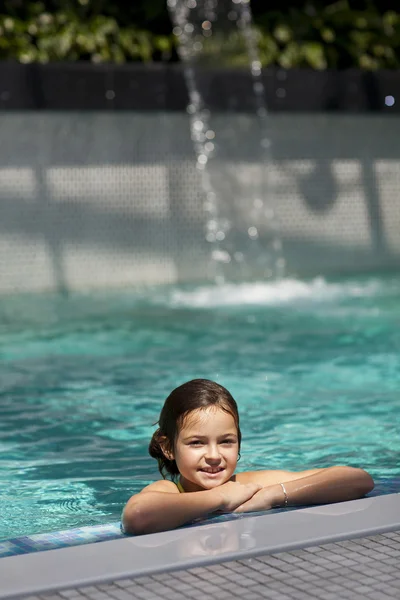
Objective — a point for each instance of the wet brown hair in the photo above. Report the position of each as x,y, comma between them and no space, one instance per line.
192,395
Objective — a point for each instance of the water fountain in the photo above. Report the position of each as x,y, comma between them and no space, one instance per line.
216,38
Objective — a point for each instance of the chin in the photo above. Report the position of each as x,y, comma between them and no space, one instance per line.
210,483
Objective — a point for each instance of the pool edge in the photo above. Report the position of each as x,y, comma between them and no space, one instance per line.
181,549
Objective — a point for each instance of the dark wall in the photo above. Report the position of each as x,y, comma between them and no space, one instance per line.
84,86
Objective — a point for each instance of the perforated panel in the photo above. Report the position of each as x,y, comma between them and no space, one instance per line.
107,200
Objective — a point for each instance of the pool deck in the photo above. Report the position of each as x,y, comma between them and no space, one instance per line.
346,550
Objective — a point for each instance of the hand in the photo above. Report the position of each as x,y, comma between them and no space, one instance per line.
262,500
235,494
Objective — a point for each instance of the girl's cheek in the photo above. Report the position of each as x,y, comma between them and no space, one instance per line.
191,450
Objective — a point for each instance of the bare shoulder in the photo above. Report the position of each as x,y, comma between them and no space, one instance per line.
161,486
266,478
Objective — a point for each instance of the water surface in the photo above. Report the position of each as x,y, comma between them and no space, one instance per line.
314,366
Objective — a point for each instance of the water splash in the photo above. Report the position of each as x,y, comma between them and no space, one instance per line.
275,293
232,146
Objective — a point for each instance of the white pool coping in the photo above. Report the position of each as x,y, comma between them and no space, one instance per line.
196,546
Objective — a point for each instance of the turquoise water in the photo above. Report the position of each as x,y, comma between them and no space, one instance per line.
314,366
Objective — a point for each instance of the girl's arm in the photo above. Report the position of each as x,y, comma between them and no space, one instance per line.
322,486
160,506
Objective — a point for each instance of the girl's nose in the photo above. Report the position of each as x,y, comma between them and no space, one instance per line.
212,453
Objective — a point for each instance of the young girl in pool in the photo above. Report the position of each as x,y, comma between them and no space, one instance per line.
197,444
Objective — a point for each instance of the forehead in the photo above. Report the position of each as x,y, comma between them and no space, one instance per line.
212,417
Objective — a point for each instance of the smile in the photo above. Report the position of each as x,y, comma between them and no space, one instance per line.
212,470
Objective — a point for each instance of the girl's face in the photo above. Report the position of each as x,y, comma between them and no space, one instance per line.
206,449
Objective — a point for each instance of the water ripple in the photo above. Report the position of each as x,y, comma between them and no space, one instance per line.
314,366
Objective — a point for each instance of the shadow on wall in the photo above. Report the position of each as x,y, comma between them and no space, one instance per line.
143,199
179,233
86,224
321,204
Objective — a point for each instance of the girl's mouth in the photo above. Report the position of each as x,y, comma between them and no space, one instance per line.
212,471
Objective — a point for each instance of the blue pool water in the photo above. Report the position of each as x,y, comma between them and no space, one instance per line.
314,366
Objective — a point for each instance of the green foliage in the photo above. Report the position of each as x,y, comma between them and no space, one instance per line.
333,35
313,34
71,31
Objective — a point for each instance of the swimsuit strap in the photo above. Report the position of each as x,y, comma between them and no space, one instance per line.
180,488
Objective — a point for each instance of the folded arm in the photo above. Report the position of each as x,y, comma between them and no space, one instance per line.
320,486
160,507
150,512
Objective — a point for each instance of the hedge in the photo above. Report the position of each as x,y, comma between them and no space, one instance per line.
314,34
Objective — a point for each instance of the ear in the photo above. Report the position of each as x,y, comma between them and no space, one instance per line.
168,453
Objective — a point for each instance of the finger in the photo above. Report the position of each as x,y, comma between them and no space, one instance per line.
248,497
245,507
254,486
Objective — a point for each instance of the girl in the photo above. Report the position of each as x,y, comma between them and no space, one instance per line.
198,444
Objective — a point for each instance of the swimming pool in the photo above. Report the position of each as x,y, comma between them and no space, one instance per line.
314,366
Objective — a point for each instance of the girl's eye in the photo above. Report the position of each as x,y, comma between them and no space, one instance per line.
200,443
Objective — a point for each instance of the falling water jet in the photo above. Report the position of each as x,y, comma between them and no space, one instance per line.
241,227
